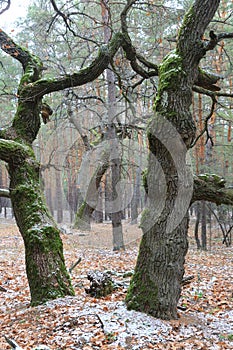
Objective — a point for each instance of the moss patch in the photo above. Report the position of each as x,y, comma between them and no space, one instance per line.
142,296
170,73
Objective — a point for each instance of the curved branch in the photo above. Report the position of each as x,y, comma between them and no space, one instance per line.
216,38
31,64
85,75
211,188
205,129
130,50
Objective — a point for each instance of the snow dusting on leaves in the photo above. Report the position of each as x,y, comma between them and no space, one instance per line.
84,322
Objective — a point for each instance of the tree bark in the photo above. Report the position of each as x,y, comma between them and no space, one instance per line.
83,217
156,284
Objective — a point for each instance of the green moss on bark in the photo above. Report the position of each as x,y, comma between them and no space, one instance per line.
45,264
82,219
142,296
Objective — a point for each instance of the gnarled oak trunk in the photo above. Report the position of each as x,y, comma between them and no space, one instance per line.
156,284
45,265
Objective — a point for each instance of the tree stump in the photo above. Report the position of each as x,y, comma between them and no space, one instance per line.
101,284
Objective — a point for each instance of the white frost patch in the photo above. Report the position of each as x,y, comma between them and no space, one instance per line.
132,330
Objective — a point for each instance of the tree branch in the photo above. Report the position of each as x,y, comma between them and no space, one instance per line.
207,80
130,50
85,75
205,129
12,151
7,7
66,18
211,188
215,39
31,64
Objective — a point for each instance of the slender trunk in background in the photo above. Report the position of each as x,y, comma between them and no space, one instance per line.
136,197
116,215
197,222
203,226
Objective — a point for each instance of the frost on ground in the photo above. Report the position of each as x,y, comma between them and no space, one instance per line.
84,322
134,330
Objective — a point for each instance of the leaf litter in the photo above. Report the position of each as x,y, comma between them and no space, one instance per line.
83,322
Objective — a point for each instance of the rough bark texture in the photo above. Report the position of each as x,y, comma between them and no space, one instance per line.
156,285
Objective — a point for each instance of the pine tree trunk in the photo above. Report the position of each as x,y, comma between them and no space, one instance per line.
136,198
198,215
203,226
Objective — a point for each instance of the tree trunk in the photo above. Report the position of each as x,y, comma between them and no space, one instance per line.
203,226
136,198
83,217
90,186
117,232
156,284
45,265
99,216
198,215
59,196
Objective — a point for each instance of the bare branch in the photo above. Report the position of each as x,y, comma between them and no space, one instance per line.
7,6
85,75
130,51
216,38
205,129
211,94
66,19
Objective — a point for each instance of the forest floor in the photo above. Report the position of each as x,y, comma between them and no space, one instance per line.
84,322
